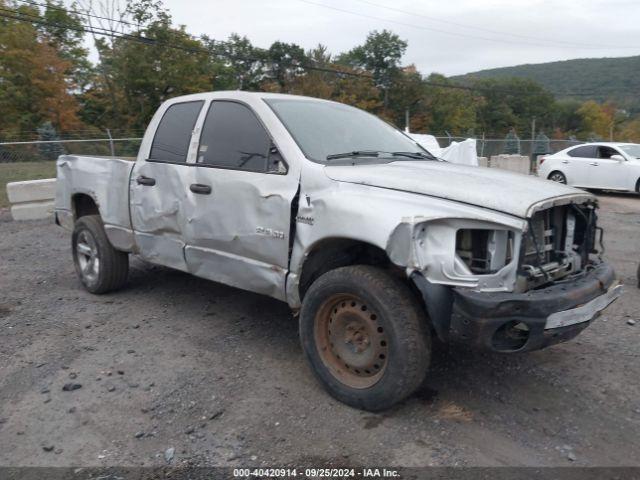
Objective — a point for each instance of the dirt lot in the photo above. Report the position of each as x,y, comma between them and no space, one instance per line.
217,374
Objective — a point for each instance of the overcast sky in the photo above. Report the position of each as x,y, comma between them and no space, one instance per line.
450,37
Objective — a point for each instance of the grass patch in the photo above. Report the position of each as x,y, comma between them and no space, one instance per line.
20,171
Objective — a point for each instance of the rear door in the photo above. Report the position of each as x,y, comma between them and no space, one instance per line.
240,203
579,162
160,186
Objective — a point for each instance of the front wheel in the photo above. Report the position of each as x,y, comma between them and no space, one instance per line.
100,267
558,177
365,337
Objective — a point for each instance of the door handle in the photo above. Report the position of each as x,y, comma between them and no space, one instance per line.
595,164
200,188
142,180
565,161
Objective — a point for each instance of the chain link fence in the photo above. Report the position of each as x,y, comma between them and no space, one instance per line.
34,151
42,150
488,147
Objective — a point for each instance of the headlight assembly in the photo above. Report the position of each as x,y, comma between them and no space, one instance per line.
484,251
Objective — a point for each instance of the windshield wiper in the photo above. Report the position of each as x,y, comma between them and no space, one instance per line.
416,155
355,153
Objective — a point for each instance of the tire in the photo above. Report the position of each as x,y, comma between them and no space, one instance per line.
557,176
384,344
100,267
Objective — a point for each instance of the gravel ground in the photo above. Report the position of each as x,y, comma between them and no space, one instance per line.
215,373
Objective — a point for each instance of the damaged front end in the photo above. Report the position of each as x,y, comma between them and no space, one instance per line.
507,285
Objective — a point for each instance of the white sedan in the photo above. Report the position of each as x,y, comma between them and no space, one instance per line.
608,166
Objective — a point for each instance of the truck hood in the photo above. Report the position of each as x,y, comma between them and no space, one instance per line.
499,190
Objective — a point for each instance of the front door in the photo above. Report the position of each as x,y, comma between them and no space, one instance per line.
238,231
607,172
160,185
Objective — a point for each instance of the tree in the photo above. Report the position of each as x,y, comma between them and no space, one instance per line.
566,119
595,120
137,77
542,144
34,80
451,110
408,91
380,54
631,131
239,63
511,143
513,102
317,83
47,133
283,62
61,29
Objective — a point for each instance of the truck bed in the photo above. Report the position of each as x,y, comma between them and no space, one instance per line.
104,179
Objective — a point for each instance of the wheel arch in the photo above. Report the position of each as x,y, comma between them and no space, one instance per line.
556,170
83,204
335,252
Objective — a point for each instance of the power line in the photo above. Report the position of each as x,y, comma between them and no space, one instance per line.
150,41
76,12
97,30
482,29
446,32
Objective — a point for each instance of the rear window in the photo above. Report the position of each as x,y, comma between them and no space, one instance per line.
171,142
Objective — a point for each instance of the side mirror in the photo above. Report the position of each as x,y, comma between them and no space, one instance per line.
617,157
275,162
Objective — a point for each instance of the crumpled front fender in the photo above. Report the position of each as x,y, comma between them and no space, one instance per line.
428,246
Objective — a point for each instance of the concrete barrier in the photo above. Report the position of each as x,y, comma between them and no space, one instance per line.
513,163
32,199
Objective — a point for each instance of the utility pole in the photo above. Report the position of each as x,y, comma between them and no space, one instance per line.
532,161
533,128
407,112
111,146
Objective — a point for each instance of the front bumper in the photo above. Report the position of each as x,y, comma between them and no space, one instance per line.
510,322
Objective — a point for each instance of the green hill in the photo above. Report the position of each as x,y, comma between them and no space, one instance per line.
602,79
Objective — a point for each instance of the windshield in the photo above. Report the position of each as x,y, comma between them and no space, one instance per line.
632,150
323,129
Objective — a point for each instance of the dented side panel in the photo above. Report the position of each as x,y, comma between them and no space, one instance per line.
106,181
159,212
239,234
385,218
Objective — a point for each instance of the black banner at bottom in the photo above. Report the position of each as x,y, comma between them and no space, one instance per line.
303,473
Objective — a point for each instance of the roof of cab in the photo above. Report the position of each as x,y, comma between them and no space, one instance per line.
606,144
241,95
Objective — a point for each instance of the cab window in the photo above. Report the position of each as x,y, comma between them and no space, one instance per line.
232,137
173,135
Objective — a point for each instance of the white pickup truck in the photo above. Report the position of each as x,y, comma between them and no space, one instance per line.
378,245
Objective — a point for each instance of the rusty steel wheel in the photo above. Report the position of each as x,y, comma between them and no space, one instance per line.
364,335
351,341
